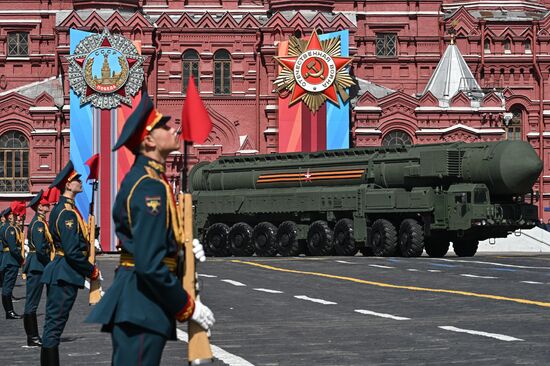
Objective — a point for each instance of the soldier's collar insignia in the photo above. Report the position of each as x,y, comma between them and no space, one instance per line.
69,224
157,166
153,204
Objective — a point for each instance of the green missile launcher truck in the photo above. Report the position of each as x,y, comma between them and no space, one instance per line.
382,201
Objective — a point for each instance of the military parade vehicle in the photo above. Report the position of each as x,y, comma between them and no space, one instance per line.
382,201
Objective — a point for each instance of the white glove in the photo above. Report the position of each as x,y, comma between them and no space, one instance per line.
198,250
203,316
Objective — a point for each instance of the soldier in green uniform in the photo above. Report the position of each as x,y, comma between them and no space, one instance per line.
2,222
65,274
146,298
40,240
12,258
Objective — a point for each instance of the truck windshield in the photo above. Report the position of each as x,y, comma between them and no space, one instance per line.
480,195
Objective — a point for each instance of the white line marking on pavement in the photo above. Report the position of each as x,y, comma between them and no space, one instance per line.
268,290
434,270
382,315
219,353
475,276
234,283
492,263
412,270
83,354
500,337
345,262
533,282
207,276
379,266
87,284
319,301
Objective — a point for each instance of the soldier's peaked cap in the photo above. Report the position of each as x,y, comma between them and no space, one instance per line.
36,198
67,174
6,212
142,121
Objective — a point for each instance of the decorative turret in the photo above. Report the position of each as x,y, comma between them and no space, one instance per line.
318,5
452,75
113,4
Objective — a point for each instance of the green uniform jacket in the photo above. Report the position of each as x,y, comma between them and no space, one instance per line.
147,295
67,234
39,247
13,257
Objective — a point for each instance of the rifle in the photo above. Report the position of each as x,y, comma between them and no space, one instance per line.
199,351
21,239
95,286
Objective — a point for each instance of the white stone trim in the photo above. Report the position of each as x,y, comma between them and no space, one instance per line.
271,107
271,130
368,108
44,131
544,134
461,109
459,126
16,195
368,131
43,109
10,21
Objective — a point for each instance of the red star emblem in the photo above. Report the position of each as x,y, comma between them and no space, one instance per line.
314,70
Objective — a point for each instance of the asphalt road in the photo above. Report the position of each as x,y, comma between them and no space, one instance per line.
486,310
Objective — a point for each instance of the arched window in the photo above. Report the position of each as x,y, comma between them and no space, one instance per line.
527,45
190,68
507,46
14,162
513,129
222,73
487,46
397,137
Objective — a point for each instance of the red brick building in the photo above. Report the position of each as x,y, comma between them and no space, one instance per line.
228,45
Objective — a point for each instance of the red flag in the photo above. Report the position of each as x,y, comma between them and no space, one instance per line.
52,195
93,164
195,121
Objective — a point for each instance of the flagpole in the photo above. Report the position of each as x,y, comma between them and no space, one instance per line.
184,169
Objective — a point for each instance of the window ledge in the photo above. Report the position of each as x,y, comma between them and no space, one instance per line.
17,195
18,58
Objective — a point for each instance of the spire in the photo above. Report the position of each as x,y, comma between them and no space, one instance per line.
452,75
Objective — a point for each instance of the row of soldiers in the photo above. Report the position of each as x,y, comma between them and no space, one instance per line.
146,298
13,256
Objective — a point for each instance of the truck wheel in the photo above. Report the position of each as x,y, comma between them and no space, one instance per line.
287,239
265,239
344,242
240,240
216,240
436,247
465,248
411,238
384,238
319,238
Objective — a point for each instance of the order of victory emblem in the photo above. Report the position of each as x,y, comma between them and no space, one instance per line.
106,69
314,71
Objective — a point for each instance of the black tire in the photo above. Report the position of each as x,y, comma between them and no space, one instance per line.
240,240
287,239
436,247
344,242
319,239
465,247
216,240
411,238
264,238
384,238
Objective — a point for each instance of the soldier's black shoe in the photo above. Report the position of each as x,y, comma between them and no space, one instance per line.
31,328
8,307
49,356
12,315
